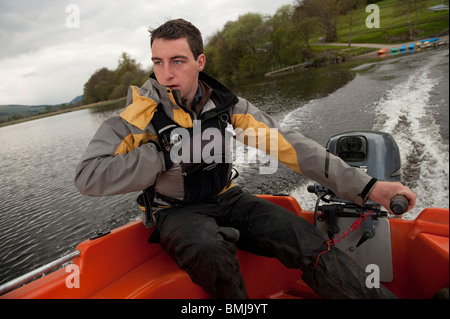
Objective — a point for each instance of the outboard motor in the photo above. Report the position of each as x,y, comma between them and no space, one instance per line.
362,232
374,152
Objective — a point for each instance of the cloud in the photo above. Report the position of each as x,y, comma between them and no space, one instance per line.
44,60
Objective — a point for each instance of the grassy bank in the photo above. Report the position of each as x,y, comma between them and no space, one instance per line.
393,30
394,23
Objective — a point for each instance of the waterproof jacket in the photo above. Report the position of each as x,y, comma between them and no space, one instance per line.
125,155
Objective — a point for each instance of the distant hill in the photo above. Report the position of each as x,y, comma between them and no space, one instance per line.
76,100
11,112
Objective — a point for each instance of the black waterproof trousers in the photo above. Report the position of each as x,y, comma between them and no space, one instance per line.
203,239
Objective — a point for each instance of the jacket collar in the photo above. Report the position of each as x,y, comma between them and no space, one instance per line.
140,112
222,97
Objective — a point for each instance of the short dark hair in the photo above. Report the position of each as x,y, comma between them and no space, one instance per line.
176,29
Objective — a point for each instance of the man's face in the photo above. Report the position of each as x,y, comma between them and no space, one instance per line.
175,66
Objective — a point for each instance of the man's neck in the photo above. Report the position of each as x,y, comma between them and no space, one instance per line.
197,97
189,102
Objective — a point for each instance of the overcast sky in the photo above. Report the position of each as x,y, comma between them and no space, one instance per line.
45,57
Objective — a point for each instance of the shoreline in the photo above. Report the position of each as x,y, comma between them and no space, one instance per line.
444,40
76,108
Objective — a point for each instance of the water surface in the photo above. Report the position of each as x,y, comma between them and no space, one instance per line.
42,216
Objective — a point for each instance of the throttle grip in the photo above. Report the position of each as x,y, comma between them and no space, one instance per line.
399,204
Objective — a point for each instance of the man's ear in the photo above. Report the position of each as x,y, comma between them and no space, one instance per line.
201,60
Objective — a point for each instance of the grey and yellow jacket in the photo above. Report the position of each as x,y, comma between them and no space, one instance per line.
125,155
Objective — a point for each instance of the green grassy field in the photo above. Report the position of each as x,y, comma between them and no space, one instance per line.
393,28
394,23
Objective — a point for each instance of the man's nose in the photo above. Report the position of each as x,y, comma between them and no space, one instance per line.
168,72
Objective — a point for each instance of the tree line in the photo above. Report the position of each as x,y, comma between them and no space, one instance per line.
252,45
107,84
255,42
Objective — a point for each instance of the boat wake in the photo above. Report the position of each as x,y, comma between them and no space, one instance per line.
407,113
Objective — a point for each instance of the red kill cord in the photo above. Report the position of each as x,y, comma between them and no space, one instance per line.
354,226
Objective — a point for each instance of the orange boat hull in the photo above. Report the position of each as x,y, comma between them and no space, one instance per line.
123,264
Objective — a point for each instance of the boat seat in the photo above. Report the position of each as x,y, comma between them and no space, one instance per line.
158,277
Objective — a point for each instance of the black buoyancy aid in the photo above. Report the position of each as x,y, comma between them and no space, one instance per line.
202,151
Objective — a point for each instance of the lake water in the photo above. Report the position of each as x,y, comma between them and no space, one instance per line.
42,216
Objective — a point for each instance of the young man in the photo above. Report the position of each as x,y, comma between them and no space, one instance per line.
201,217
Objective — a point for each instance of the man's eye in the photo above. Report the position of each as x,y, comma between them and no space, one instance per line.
177,62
